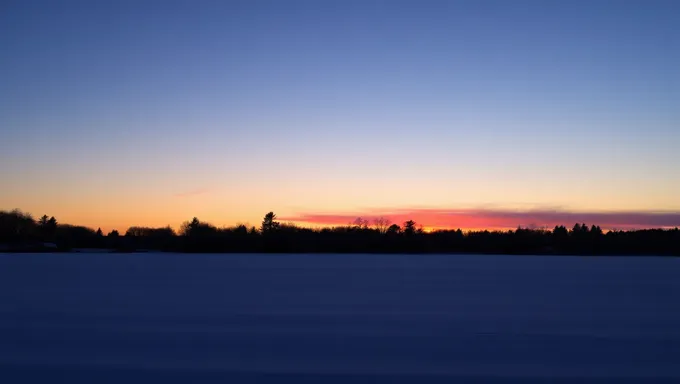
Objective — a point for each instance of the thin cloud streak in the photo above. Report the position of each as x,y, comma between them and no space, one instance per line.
195,192
500,218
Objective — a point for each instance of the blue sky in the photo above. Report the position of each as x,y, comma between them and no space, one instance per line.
124,110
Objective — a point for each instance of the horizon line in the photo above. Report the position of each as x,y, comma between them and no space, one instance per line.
465,219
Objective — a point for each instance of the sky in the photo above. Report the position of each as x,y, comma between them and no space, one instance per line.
470,114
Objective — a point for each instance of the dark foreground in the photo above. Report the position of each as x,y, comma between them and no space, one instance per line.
167,318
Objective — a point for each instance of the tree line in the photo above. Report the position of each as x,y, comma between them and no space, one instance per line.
20,231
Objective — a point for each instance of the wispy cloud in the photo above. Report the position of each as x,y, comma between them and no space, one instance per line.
192,193
498,218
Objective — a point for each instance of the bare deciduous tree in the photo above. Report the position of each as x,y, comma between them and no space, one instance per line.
360,223
382,224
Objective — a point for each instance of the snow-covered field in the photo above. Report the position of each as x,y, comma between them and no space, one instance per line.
170,318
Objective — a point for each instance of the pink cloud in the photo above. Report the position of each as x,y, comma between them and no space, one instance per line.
499,218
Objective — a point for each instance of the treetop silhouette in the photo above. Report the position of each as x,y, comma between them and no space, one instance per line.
18,230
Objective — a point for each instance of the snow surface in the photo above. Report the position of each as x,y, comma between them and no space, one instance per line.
171,318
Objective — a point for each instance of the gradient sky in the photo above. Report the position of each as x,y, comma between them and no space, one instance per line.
115,113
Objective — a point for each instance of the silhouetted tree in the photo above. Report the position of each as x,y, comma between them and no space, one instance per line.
360,224
240,230
381,224
47,227
99,232
42,222
43,227
394,229
596,230
269,224
16,227
190,228
560,238
197,229
410,227
52,225
113,233
560,231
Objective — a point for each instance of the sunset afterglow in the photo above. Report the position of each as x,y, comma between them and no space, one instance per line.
454,114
